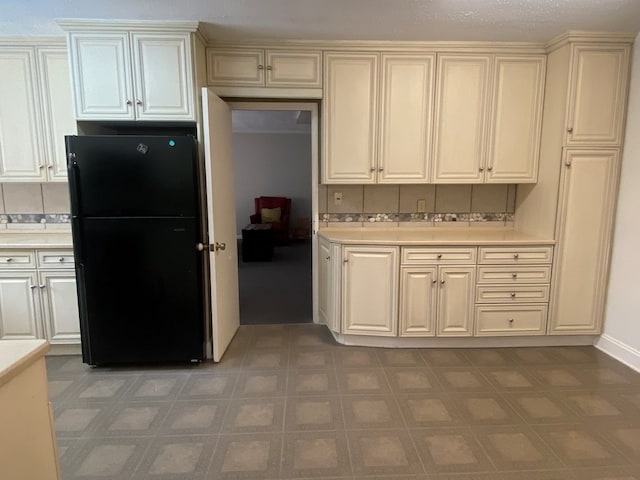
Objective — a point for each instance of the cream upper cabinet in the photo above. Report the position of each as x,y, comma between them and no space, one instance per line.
132,75
462,90
57,108
370,290
488,118
406,118
350,117
515,119
456,301
260,68
584,228
597,97
21,146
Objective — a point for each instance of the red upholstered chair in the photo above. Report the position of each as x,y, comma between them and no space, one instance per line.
280,229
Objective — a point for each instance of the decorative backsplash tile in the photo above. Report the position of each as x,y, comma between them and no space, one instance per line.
417,218
34,218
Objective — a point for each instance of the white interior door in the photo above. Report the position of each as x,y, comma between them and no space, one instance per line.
221,216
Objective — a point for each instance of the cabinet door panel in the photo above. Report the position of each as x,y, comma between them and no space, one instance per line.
20,131
324,279
406,118
516,117
57,106
460,118
370,290
584,226
235,67
102,76
418,287
60,307
350,117
18,314
294,69
455,301
162,77
597,101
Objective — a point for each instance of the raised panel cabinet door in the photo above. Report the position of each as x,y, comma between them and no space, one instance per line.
516,119
60,307
455,301
21,154
57,108
293,69
406,118
370,291
18,312
418,287
163,77
584,229
350,116
462,89
599,79
101,73
235,67
324,279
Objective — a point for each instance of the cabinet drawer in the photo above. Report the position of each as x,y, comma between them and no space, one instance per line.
515,274
515,255
17,259
448,255
55,259
504,320
512,294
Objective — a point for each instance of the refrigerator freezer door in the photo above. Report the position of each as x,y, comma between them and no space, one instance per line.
127,176
141,296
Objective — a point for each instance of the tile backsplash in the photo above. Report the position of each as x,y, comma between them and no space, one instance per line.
26,206
398,204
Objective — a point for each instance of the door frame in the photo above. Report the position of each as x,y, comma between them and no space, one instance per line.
313,108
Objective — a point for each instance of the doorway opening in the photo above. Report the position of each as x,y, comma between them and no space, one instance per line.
275,161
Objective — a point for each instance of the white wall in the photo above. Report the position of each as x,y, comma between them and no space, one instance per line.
272,164
621,336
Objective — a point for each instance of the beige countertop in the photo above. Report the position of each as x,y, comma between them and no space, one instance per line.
16,355
431,236
36,240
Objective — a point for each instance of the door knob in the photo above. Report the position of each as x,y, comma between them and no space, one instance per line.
219,246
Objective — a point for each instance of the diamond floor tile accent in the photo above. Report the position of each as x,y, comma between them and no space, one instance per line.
287,402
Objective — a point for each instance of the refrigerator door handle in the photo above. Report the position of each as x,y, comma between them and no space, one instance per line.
74,184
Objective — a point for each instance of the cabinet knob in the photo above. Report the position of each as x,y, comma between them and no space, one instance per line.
61,259
568,163
439,255
41,286
489,168
8,259
49,166
570,129
511,321
346,260
269,67
514,275
32,286
138,102
442,282
129,102
260,67
327,258
513,294
40,166
373,169
380,169
434,282
482,169
515,255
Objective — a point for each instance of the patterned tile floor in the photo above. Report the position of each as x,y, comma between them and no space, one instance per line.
288,402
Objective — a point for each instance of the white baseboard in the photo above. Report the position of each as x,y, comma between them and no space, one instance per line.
620,351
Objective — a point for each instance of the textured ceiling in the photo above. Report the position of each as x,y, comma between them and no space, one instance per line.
482,20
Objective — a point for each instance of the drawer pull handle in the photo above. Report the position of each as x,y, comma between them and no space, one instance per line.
515,255
514,275
513,294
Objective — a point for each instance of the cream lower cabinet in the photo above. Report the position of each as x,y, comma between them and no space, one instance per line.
455,301
329,283
588,187
370,290
38,303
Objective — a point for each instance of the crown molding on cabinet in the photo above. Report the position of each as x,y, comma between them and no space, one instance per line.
587,37
100,25
32,41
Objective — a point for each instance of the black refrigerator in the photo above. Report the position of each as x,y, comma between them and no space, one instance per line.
135,218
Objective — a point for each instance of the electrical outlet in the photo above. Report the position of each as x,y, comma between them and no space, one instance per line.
422,205
337,198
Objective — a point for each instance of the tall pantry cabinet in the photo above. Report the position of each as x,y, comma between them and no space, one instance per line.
585,102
